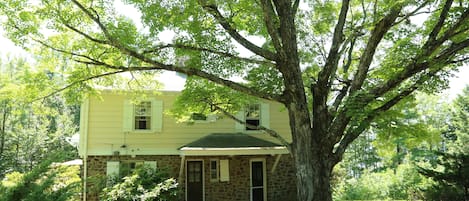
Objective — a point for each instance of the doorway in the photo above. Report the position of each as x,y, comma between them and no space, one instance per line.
258,180
194,181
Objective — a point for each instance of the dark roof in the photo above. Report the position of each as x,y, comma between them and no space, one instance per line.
229,140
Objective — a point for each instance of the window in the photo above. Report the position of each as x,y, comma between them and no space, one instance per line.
213,170
198,117
128,167
124,168
142,116
253,116
257,114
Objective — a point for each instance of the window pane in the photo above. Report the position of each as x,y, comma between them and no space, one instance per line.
198,116
213,170
257,174
253,116
142,116
258,194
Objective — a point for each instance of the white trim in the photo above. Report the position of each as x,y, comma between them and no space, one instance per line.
107,150
186,151
264,177
203,177
83,149
230,148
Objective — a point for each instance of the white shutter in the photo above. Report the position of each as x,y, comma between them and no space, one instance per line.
241,116
265,115
157,115
224,170
150,164
128,117
112,168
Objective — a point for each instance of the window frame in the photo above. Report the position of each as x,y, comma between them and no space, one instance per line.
156,120
149,116
248,111
138,163
217,170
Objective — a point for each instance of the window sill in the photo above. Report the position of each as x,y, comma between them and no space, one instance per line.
142,132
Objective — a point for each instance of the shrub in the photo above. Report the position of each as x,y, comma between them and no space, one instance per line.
44,182
403,184
143,184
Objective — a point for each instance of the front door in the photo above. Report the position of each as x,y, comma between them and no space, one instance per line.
194,181
257,181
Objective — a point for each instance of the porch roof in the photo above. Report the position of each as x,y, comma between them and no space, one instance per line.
231,144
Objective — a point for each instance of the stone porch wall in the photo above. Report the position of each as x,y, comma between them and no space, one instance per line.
281,185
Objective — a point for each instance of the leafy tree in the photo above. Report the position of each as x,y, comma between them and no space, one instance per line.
451,170
335,65
31,131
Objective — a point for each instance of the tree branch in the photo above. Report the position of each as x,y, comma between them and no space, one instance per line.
351,135
271,23
439,25
412,13
78,82
270,132
339,123
155,65
333,58
367,57
213,10
201,49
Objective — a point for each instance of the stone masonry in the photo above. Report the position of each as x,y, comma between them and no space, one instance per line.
281,185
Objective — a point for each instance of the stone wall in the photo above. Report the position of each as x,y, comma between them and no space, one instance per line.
281,185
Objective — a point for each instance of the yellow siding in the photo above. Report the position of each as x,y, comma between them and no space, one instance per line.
105,128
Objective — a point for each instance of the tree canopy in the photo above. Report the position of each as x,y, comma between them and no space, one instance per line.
335,65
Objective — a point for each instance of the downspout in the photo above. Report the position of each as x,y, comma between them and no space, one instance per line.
84,113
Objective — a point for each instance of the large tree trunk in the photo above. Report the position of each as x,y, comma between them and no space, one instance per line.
314,171
313,166
322,179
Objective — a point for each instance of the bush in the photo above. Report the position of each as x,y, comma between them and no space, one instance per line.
403,184
45,183
143,184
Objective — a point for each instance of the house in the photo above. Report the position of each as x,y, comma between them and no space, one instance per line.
213,159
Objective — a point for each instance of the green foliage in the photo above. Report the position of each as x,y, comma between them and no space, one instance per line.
31,130
451,168
45,182
207,98
143,184
403,184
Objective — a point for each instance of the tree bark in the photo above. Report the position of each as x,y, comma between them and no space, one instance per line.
322,171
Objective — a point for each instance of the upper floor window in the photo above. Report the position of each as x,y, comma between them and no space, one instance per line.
253,116
198,117
142,116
